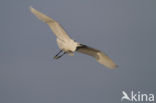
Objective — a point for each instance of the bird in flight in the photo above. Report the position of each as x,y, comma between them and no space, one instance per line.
68,46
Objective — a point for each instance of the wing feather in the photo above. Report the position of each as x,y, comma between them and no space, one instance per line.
101,57
54,25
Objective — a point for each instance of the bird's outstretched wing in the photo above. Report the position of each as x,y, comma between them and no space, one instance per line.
55,26
98,55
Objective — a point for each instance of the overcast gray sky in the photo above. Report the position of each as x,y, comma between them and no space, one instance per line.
124,29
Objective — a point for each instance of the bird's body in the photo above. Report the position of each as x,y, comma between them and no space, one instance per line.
68,45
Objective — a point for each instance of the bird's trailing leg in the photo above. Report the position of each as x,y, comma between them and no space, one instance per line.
57,55
60,55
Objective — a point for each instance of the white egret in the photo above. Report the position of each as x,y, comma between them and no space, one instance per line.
68,45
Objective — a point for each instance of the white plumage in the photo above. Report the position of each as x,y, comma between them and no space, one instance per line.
68,45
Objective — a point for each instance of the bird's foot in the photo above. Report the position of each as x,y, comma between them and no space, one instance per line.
57,57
